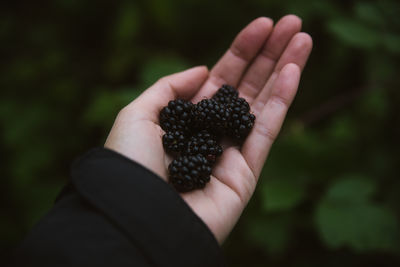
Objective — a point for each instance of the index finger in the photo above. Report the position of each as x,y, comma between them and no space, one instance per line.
230,68
269,122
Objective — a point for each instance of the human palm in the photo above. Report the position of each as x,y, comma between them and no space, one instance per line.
264,62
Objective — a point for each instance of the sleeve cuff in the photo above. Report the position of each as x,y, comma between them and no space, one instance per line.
146,209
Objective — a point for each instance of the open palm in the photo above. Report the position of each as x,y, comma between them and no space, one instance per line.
264,62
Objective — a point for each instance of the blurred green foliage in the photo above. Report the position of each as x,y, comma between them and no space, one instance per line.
329,194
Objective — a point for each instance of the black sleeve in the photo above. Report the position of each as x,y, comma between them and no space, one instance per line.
116,213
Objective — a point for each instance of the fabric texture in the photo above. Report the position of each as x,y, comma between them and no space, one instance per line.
115,212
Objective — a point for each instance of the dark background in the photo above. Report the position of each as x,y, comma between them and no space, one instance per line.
330,192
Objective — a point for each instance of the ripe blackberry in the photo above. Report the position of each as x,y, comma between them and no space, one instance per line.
226,94
177,116
174,141
187,173
239,104
241,121
210,115
205,144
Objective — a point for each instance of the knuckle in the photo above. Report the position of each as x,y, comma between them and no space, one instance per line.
280,101
266,131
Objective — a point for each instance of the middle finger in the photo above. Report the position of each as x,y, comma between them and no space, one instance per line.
263,65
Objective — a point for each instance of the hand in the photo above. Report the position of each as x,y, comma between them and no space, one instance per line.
264,62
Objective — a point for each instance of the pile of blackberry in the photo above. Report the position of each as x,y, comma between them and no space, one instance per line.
193,132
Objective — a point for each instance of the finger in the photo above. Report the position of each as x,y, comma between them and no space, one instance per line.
269,122
236,176
179,85
229,69
260,70
297,52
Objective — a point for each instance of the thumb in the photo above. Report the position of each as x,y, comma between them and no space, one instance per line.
183,84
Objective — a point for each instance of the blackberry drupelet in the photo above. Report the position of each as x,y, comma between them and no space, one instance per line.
206,144
226,94
177,116
239,104
174,141
241,121
210,115
187,173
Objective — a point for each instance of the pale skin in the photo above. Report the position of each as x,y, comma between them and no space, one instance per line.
264,62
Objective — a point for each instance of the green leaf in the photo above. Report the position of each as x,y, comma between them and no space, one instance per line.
352,189
346,218
354,33
369,12
361,227
281,194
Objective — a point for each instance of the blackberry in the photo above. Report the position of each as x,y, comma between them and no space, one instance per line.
174,141
205,144
177,116
192,133
226,94
241,121
210,115
187,173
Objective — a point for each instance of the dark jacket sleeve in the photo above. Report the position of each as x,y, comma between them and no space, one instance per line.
116,213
